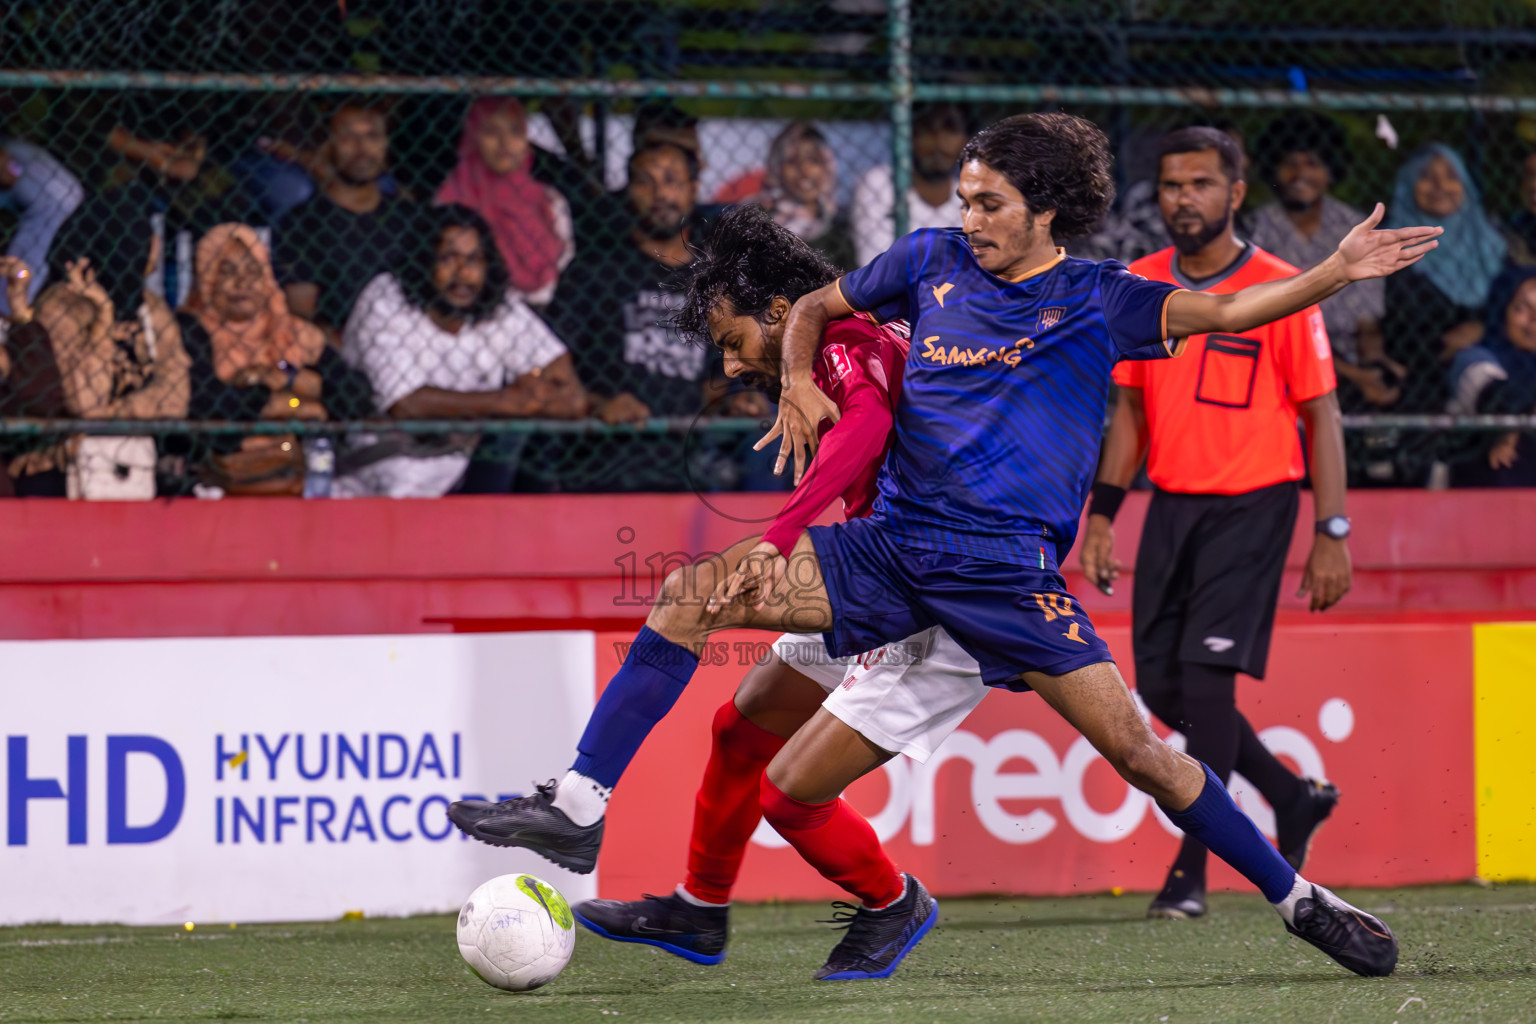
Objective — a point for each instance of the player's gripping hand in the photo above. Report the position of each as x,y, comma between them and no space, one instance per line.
1097,554
802,407
1367,252
759,574
1328,573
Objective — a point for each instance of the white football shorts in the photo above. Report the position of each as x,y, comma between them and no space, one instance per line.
905,697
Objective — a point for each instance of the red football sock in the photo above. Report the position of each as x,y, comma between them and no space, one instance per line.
727,809
836,840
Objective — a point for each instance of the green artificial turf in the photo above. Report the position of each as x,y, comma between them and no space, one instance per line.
1468,954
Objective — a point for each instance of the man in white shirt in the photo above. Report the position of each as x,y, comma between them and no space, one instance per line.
1302,155
442,338
938,135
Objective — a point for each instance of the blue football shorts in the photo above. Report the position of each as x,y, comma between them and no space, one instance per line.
1011,618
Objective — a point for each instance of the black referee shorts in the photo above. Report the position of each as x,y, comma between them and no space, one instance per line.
1208,578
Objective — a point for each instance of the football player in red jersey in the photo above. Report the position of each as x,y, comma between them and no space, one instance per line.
910,695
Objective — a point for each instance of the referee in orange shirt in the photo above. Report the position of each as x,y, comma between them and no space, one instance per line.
1218,429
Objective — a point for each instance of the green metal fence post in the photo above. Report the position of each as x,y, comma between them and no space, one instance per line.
901,111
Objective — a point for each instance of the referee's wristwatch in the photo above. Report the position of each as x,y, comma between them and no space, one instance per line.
1336,527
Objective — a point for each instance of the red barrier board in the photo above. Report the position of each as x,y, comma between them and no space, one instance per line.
1017,802
1020,806
270,566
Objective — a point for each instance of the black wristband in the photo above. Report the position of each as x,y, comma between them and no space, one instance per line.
1105,500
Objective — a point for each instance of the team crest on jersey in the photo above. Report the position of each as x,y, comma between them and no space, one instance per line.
838,365
1049,317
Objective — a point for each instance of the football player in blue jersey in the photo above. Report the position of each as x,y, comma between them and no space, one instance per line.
997,438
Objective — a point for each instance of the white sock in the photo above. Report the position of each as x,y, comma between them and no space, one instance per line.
1287,907
688,897
899,897
583,800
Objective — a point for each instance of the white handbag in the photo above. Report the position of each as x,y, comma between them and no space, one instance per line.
112,469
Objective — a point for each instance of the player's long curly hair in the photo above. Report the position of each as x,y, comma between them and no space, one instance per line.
747,259
1056,161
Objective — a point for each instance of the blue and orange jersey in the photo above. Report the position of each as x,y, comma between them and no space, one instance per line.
1002,405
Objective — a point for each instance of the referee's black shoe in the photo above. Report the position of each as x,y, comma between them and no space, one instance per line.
878,940
533,823
667,922
1348,934
1178,907
1295,829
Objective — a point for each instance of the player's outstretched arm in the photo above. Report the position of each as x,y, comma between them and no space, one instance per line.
803,405
1365,252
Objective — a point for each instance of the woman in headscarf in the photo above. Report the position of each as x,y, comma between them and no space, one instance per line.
800,191
70,356
1436,308
1498,375
253,359
531,221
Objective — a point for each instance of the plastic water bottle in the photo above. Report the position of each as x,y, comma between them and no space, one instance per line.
319,467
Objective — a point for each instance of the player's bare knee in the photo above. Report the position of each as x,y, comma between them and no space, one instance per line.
1146,762
776,698
683,588
780,772
678,611
787,774
753,698
787,810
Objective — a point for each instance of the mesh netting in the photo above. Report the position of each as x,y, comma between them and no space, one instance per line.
231,220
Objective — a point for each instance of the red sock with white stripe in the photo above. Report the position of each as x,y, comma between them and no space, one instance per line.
836,840
728,808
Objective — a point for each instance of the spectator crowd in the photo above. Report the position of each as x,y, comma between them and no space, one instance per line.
309,283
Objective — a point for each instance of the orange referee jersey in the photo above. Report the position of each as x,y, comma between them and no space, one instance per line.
1222,417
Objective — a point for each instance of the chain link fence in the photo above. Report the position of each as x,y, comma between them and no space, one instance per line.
435,244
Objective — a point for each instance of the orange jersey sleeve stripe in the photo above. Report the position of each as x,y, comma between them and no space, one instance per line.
843,294
1175,346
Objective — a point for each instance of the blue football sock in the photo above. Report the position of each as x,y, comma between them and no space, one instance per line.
1231,835
639,695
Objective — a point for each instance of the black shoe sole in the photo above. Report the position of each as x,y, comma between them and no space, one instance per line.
581,866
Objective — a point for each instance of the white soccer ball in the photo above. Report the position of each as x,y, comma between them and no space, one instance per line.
516,932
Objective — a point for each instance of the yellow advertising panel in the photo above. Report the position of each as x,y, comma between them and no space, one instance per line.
1505,745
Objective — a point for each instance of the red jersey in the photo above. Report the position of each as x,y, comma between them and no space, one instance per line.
1221,419
859,367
